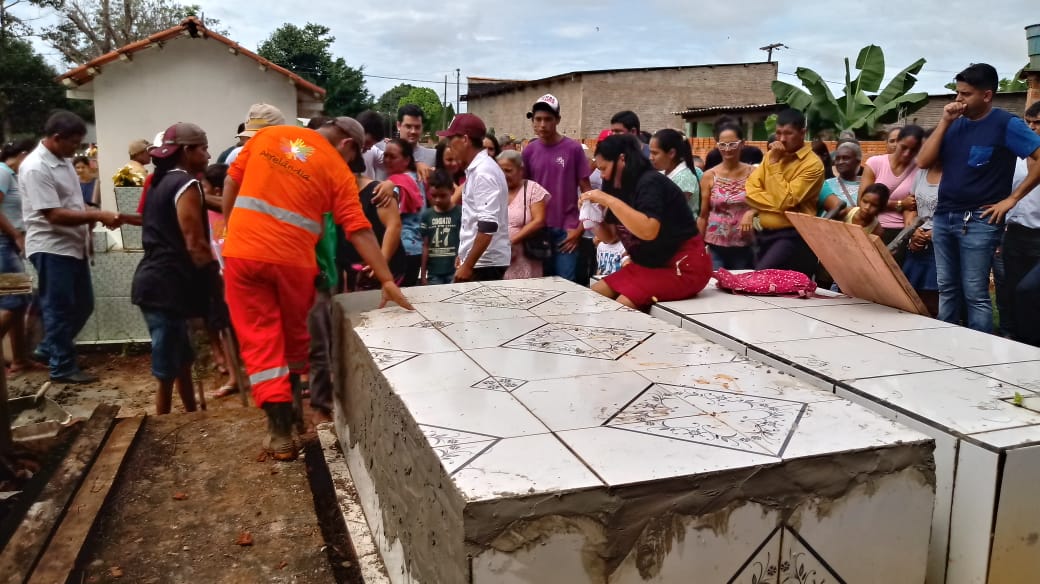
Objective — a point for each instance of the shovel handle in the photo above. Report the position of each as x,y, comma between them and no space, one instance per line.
43,391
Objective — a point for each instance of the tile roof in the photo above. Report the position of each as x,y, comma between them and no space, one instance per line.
191,26
754,107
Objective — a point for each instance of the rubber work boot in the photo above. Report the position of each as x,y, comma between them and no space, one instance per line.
279,442
297,402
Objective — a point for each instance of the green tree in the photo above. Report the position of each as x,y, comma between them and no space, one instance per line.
307,52
1005,85
430,103
387,103
28,91
90,28
861,108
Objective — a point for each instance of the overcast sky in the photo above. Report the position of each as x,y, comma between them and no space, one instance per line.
528,39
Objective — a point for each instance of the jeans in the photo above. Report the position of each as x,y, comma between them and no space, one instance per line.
171,343
564,265
964,244
1002,293
66,302
438,279
784,249
1022,280
732,258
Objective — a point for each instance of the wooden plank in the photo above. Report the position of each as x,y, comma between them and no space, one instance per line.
860,263
21,553
59,559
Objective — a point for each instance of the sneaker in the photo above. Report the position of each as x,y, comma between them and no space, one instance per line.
40,357
76,377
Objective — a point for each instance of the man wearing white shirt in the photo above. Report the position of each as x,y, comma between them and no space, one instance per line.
1022,251
484,249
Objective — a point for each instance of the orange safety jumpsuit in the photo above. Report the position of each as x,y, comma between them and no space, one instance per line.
288,177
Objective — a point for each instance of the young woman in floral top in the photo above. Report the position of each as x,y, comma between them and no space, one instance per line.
723,205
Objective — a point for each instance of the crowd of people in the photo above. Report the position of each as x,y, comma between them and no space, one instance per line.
259,241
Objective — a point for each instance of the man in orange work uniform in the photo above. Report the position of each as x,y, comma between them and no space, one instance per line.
275,193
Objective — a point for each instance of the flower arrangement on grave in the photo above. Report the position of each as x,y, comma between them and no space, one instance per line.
127,177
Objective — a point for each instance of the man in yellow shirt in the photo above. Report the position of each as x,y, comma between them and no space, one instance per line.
789,179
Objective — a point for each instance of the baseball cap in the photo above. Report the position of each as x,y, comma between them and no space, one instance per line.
138,146
465,125
354,130
177,135
260,116
548,103
604,135
508,140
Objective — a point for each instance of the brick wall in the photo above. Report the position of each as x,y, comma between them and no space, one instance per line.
931,113
701,146
588,101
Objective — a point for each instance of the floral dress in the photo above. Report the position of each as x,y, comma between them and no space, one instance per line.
728,203
521,266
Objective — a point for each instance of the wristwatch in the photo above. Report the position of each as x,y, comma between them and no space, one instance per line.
899,206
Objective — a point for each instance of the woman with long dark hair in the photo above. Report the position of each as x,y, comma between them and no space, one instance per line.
666,259
670,153
400,165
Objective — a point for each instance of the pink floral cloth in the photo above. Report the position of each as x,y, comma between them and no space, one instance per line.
521,266
727,203
766,282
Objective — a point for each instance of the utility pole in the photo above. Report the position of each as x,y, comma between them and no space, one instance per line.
773,47
444,107
458,92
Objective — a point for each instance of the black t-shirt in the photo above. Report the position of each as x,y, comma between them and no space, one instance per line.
748,155
347,255
656,196
166,278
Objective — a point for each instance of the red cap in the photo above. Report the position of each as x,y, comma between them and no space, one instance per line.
467,125
604,135
177,135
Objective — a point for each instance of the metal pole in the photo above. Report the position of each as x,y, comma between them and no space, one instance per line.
444,106
458,93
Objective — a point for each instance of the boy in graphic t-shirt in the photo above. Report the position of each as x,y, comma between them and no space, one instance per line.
440,228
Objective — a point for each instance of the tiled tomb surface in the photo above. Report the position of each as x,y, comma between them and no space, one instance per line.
956,385
531,431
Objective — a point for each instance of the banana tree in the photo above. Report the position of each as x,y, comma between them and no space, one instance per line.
862,108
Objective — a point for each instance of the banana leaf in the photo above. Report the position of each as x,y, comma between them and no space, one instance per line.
871,64
901,106
902,83
822,99
793,96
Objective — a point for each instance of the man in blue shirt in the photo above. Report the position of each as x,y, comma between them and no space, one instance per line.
978,146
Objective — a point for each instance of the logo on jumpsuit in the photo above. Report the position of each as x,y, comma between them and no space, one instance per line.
297,149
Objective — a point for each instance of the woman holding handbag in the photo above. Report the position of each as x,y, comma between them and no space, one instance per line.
527,235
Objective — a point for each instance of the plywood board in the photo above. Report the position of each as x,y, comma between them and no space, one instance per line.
860,263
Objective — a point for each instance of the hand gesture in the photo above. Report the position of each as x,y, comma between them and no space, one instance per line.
463,273
952,111
910,203
109,219
918,240
391,293
776,151
747,222
423,171
596,196
384,195
996,212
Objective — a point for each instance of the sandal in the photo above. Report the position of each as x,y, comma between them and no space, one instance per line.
225,390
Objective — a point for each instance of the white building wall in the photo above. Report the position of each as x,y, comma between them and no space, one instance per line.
188,80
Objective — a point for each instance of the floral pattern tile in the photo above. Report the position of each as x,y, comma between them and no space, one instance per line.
499,383
716,418
456,448
387,358
785,558
579,341
520,298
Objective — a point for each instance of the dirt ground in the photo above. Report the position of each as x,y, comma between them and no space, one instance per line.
192,492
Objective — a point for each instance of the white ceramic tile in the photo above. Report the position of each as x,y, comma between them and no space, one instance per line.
489,413
523,466
489,333
438,293
1025,375
548,283
532,365
714,300
577,302
1014,557
455,448
763,566
808,376
387,358
581,341
1010,438
411,339
839,425
822,298
623,457
962,401
871,318
852,357
676,349
518,298
435,371
580,402
769,326
452,312
798,558
389,317
961,346
709,334
558,556
741,377
974,500
630,320
667,316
